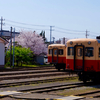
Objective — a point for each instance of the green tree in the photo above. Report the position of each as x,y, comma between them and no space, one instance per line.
22,55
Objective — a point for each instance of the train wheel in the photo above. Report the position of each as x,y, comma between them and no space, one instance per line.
64,69
58,69
84,80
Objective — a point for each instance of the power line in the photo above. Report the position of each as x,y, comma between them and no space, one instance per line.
43,26
69,32
95,33
61,30
25,27
27,24
69,29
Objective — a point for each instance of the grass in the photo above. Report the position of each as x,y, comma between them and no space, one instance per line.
75,91
25,65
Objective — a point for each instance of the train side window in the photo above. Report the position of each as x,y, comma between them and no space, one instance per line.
89,51
70,51
60,52
50,51
99,52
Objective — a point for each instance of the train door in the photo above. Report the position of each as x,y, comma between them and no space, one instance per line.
55,55
79,57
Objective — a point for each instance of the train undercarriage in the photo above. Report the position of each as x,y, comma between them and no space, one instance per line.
60,66
89,76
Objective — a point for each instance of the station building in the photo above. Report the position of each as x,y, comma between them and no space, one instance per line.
2,52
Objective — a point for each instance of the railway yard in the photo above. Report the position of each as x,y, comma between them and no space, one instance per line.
45,83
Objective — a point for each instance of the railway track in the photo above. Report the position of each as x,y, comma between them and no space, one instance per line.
53,81
63,86
26,68
27,72
53,87
91,94
26,77
33,75
23,81
19,82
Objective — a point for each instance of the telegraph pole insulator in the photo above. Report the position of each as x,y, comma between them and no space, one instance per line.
87,34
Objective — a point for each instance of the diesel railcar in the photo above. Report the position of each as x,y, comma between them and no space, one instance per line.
83,57
57,55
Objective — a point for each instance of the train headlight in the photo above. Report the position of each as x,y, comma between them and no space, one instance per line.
89,42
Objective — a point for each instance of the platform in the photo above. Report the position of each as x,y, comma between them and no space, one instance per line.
36,96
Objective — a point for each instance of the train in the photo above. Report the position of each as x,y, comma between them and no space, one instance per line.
57,55
79,55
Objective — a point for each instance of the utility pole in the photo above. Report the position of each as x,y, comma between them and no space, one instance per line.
53,39
64,40
87,34
51,33
1,24
11,49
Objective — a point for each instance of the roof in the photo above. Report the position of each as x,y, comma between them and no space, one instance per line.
56,45
81,39
4,40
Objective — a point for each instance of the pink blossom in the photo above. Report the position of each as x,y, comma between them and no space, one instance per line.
33,41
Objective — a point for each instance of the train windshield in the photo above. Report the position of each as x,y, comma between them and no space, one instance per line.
50,51
55,51
60,52
70,51
89,51
79,52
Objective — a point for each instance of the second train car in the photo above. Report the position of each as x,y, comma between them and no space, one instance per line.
57,55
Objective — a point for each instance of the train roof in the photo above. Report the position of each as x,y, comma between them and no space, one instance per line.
82,40
56,45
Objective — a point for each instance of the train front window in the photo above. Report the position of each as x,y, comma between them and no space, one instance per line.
89,51
70,51
60,52
79,52
50,51
55,52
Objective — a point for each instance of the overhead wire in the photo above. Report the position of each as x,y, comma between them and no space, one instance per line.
59,29
44,26
24,27
27,24
68,29
68,32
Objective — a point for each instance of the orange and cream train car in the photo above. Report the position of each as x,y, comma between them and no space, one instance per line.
57,55
83,56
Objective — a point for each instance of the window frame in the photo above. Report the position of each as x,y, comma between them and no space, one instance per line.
70,52
88,53
79,52
60,52
99,52
50,51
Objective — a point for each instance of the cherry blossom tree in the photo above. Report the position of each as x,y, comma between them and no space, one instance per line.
33,41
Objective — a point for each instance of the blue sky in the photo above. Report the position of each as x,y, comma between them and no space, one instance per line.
70,18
